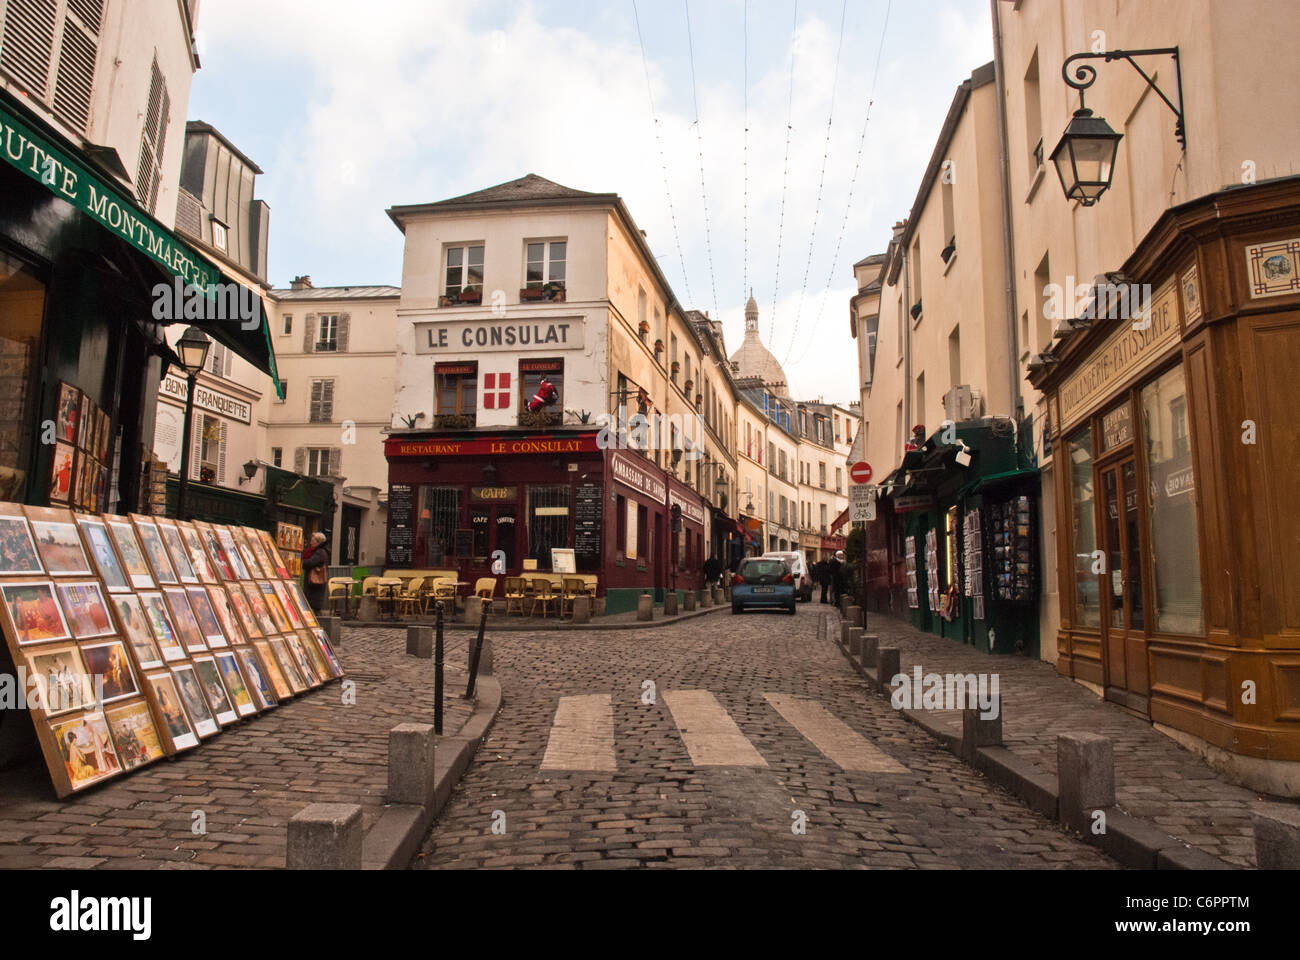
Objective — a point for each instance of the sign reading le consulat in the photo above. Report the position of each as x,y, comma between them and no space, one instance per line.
480,335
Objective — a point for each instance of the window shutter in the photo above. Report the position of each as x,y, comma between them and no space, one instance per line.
28,42
76,71
336,462
327,401
196,445
300,460
308,332
314,404
342,334
228,354
221,455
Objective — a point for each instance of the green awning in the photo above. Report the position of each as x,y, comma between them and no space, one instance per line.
1006,477
42,158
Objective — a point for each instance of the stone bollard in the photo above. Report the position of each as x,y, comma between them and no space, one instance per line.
581,609
410,763
855,643
706,597
1085,771
484,657
325,836
887,667
670,603
844,635
1277,838
645,607
718,596
870,643
854,615
419,642
978,731
369,608
688,601
332,628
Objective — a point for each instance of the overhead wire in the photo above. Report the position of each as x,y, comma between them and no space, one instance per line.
745,207
785,176
699,138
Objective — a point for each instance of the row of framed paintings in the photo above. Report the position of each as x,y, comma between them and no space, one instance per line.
82,445
138,641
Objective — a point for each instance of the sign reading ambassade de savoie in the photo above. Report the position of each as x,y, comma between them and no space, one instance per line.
477,336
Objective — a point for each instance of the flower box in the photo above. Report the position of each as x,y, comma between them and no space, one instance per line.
530,293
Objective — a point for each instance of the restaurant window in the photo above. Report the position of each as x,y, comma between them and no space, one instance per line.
545,264
531,374
22,307
1173,533
642,533
1087,585
480,523
435,534
548,522
620,526
456,386
464,270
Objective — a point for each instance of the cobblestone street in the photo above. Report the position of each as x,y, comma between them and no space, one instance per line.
615,782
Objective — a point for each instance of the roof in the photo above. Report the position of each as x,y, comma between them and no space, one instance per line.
338,293
529,189
867,261
199,126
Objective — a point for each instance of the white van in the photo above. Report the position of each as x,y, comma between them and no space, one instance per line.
803,585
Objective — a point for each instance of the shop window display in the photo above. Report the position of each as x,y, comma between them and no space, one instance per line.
1087,598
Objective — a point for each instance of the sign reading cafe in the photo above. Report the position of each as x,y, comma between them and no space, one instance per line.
480,335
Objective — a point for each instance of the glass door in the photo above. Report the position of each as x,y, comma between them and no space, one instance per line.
1122,535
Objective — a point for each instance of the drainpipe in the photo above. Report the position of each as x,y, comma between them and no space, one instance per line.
1008,240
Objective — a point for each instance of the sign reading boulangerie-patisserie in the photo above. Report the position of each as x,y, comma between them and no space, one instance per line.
1123,355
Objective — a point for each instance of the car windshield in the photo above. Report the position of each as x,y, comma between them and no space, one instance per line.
763,568
790,558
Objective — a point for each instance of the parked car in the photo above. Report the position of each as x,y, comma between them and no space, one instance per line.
803,585
763,582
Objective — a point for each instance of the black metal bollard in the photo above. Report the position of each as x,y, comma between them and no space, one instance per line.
437,674
478,650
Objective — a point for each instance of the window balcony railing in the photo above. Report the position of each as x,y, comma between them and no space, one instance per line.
454,421
538,419
467,296
553,292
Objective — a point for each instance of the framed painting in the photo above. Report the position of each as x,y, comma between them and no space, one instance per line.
303,606
187,625
314,656
258,605
176,729
278,615
287,665
198,556
302,660
273,553
218,697
246,552
245,613
195,700
86,748
259,684
109,663
287,604
227,541
274,675
327,649
33,613
215,551
84,609
180,554
107,564
105,436
130,552
18,556
68,413
228,667
135,629
61,475
83,424
58,542
164,629
154,550
225,610
134,734
60,680
209,623
254,542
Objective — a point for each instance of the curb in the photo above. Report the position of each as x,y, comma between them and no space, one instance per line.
1128,840
532,627
394,839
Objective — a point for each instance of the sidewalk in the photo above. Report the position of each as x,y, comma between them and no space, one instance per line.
247,781
498,623
1156,779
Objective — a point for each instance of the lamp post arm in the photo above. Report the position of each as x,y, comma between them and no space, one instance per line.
1085,75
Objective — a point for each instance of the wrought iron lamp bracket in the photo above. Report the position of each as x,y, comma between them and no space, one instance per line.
1085,75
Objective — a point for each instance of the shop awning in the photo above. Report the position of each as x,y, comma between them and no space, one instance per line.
38,155
1004,478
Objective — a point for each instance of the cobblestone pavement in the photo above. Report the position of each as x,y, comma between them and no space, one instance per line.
1156,778
658,807
248,780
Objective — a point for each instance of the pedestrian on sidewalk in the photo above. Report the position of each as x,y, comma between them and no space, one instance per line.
821,577
712,570
834,574
315,559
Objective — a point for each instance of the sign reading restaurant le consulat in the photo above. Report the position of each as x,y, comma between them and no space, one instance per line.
397,447
479,335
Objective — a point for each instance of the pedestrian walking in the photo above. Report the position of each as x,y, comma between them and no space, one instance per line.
712,570
834,573
315,559
821,574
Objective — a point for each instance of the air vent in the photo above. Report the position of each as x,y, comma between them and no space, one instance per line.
27,43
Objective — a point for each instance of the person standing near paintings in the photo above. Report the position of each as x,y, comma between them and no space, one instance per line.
315,559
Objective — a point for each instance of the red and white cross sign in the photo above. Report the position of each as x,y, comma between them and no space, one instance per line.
496,391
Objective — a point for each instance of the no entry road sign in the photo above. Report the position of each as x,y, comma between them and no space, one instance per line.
860,472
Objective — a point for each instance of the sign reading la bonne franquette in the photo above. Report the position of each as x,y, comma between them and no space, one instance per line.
480,335
175,388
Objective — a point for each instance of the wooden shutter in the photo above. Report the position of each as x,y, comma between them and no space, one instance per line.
221,455
341,334
336,462
196,445
313,403
300,460
75,76
27,44
327,401
308,333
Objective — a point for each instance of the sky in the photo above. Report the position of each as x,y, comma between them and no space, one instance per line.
421,100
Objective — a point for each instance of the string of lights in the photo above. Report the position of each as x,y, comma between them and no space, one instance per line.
817,209
848,204
663,162
785,177
745,207
699,138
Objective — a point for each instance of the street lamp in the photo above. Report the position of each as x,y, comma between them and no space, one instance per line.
193,347
1085,157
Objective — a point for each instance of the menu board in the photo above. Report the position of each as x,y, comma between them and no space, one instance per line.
909,553
586,521
974,562
400,533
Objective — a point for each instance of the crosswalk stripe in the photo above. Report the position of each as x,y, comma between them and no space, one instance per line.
834,738
582,734
711,736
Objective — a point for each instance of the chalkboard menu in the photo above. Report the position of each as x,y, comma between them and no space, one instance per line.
464,543
588,498
400,531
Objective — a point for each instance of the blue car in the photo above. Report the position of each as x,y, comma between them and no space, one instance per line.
763,582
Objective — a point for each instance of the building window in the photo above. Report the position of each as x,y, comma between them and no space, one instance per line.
211,447
1087,585
954,356
464,269
531,375
620,526
548,522
277,456
284,385
153,140
327,333
322,402
822,508
839,479
545,264
288,324
642,533
1033,116
219,235
1042,279
218,361
435,531
1173,532
456,388
821,473
318,462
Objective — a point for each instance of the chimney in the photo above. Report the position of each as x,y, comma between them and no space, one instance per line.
301,283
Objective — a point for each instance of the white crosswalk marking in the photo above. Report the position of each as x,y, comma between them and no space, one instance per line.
711,736
582,734
834,738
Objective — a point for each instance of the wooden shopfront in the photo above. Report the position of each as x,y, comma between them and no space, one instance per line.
1178,504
